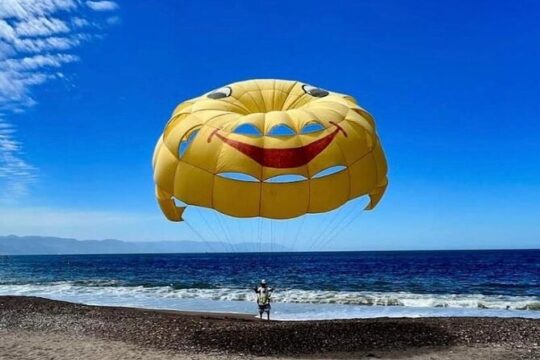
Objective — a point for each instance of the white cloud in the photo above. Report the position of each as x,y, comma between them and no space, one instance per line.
37,38
36,45
41,26
79,22
7,32
113,20
102,5
6,50
36,62
12,165
26,9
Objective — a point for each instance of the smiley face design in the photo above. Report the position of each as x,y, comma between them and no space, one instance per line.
270,148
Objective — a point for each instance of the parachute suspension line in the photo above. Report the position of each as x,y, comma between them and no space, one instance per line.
339,230
344,224
284,231
282,234
199,236
322,224
328,228
270,229
255,234
224,232
299,230
229,226
251,234
285,239
271,235
228,229
260,234
327,239
275,226
208,226
268,235
232,236
256,237
222,240
325,221
276,234
282,238
336,221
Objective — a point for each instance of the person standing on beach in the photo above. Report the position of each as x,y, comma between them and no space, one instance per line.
263,298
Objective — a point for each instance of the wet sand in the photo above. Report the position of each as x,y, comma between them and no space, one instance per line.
35,328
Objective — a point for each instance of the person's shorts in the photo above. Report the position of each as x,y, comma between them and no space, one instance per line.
264,308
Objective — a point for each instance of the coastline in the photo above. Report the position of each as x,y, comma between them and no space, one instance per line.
176,335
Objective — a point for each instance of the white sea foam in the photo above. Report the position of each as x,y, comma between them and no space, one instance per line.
108,289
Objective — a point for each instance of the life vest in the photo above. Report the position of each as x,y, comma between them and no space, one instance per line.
263,296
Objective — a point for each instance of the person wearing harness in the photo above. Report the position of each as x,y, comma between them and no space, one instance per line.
263,298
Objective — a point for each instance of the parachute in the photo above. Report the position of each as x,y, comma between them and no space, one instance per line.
273,149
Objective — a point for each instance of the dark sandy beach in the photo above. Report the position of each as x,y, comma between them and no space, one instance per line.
36,328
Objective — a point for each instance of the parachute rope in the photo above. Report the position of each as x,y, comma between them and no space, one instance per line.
328,228
260,234
200,236
298,232
224,232
271,235
211,228
345,222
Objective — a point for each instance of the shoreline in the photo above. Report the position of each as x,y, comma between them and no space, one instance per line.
227,334
254,315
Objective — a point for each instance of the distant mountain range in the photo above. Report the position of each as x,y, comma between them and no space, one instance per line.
42,245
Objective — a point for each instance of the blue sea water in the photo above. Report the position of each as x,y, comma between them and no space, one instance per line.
503,283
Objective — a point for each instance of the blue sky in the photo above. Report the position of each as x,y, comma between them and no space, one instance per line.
453,86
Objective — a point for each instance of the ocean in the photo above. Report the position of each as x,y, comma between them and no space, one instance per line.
322,285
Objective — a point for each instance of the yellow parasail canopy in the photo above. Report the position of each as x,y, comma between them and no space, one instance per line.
271,148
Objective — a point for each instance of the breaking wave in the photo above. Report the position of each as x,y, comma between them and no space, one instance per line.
112,289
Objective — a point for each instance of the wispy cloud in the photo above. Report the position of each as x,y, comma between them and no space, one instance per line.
102,5
12,165
37,38
41,26
27,9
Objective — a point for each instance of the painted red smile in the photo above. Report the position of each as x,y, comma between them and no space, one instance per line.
282,158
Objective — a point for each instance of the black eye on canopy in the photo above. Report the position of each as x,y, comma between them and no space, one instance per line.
220,93
314,91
